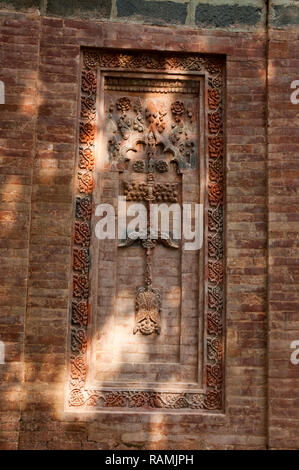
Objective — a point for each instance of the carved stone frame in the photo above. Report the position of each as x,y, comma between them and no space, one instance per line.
79,396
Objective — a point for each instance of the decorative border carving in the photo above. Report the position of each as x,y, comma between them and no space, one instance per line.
79,396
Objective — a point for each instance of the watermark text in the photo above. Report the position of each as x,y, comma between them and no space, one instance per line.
158,221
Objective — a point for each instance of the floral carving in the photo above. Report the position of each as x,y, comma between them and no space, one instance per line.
83,208
216,82
213,98
215,147
178,110
139,166
76,398
114,399
80,313
167,192
79,370
215,298
215,219
80,286
213,400
78,341
214,123
148,304
89,82
214,323
215,349
150,122
86,158
215,244
80,260
86,182
93,399
93,59
215,272
123,104
82,233
213,67
215,193
87,133
216,171
138,400
161,166
88,107
149,400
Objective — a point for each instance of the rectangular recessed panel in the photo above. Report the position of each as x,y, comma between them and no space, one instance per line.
147,302
149,141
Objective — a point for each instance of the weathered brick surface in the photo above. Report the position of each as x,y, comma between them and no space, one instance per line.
40,65
19,40
283,240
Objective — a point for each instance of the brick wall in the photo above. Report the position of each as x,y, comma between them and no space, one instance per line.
283,251
19,39
40,65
